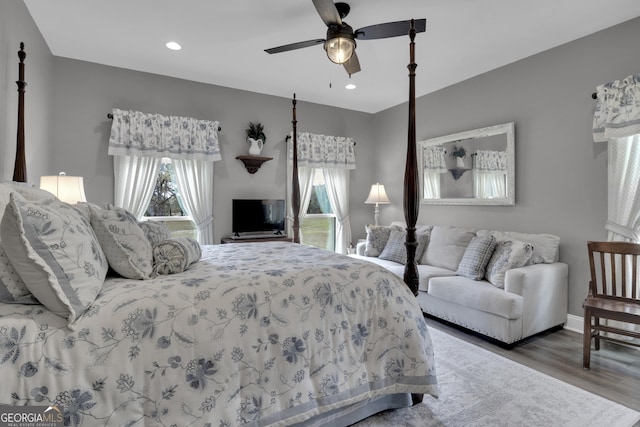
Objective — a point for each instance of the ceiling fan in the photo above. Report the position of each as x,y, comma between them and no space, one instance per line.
340,43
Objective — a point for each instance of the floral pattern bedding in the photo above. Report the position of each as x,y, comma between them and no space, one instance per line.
253,334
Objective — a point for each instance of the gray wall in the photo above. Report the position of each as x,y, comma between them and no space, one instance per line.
17,26
85,92
561,175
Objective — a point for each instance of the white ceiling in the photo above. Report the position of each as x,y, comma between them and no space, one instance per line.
223,42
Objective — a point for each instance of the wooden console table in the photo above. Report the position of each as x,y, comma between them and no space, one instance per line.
264,239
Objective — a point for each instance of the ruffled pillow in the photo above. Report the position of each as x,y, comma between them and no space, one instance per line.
175,255
507,255
55,252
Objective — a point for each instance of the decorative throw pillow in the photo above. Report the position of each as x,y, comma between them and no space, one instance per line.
395,250
55,252
155,232
507,255
476,257
12,289
175,255
545,246
124,244
377,236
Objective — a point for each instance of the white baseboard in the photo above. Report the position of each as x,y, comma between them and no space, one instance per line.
574,323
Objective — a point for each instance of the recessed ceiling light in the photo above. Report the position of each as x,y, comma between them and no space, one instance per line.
173,46
350,86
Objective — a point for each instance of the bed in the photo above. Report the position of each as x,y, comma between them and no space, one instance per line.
255,334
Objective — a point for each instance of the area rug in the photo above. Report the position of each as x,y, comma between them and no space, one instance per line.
480,388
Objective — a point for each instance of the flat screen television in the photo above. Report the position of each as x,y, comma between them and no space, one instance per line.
260,216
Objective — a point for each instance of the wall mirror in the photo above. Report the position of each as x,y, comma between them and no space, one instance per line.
475,167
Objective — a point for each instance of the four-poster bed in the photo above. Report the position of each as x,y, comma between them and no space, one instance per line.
253,334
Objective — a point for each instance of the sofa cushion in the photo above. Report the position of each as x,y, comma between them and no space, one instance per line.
476,257
446,246
545,246
477,295
374,259
395,249
507,255
425,273
377,236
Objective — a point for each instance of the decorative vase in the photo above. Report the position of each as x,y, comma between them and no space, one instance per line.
255,147
460,162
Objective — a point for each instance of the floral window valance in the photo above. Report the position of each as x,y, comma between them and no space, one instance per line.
154,135
491,161
322,151
617,113
434,159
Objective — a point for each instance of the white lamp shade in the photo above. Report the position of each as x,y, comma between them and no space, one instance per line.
377,195
69,189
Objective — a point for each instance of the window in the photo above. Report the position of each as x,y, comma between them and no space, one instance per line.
165,205
318,227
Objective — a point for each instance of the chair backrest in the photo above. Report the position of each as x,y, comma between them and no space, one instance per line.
614,270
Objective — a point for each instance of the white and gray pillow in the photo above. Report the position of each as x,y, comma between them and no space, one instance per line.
476,257
13,290
155,232
377,236
55,252
395,249
507,255
124,243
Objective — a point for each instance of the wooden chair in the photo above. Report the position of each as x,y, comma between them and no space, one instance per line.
614,293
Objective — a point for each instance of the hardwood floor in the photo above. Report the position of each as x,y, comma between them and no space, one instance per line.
614,373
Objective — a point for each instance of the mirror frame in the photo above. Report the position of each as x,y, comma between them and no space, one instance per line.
505,128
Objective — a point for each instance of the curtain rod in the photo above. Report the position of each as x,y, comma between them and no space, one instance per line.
110,117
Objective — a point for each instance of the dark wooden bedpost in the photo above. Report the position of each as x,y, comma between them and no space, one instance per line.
411,202
20,166
295,183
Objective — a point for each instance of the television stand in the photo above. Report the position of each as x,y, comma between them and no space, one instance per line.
273,238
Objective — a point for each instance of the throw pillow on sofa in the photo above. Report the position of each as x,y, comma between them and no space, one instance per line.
507,255
395,249
377,236
476,257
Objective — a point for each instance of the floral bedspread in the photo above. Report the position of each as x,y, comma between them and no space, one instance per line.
253,334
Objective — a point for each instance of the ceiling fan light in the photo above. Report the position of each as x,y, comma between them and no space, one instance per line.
339,49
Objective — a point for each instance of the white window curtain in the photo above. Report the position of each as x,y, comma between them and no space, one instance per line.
305,179
336,157
194,179
138,141
617,121
434,165
490,174
135,178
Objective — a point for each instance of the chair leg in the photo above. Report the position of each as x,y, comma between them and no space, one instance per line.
596,335
586,344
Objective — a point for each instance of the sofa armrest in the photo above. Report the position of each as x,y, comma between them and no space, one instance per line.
545,291
360,247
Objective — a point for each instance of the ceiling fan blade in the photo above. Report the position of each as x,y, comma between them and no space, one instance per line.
352,65
328,12
294,46
389,29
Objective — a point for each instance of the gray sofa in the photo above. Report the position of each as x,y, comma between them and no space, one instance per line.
507,290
